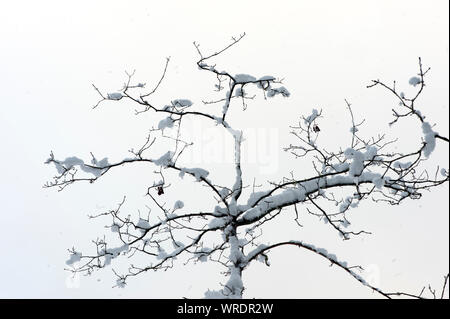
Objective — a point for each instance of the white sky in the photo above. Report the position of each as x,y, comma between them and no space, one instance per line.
326,51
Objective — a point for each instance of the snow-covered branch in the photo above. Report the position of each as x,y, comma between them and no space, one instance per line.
364,169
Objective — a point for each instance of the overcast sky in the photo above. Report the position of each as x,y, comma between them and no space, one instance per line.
326,51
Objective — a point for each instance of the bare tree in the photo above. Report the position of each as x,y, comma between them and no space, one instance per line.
364,170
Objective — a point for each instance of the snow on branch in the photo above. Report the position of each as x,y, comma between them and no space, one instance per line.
231,233
334,261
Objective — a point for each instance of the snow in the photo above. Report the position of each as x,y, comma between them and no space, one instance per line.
265,82
299,194
224,192
178,204
281,90
218,120
177,245
164,160
111,253
214,294
345,204
261,259
237,186
430,139
378,182
74,257
199,173
159,183
370,153
291,195
115,228
70,162
325,253
142,225
401,165
235,252
114,96
234,283
266,78
161,253
244,78
182,103
120,283
312,117
220,211
414,81
345,224
240,92
203,254
227,102
165,123
205,250
117,250
219,222
309,186
254,197
243,242
103,162
357,164
253,213
358,158
341,167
